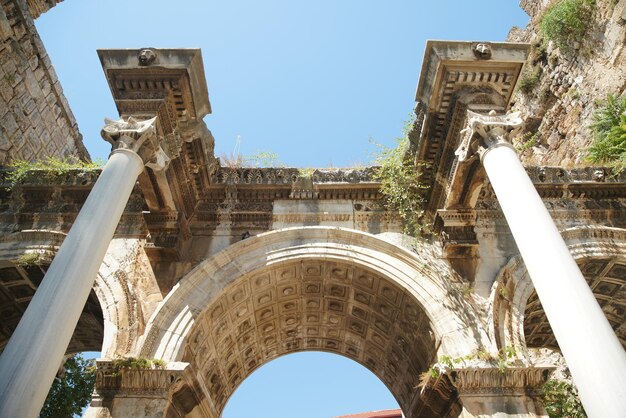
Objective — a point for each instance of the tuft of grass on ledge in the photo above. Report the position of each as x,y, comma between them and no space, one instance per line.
51,168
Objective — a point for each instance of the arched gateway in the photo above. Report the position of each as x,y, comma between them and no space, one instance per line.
163,207
312,288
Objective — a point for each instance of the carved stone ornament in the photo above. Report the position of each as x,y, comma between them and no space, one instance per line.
146,56
492,129
513,381
482,50
138,136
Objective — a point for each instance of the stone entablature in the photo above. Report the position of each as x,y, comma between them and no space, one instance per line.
287,175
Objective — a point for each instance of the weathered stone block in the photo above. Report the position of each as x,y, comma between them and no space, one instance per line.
33,62
32,85
5,26
9,124
9,64
6,92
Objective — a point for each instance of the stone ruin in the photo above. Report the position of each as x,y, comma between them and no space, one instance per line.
218,270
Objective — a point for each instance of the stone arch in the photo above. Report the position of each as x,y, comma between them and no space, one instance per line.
117,301
126,284
601,254
313,288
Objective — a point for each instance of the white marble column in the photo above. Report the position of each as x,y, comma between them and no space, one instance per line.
591,349
31,359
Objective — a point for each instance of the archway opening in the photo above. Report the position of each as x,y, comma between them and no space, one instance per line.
311,305
309,385
18,283
607,279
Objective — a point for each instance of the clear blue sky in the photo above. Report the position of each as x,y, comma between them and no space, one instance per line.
311,81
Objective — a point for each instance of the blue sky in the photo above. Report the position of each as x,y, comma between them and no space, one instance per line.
310,81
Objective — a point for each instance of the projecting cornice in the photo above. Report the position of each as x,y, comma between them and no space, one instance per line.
456,77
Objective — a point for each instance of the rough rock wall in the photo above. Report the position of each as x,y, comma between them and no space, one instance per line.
39,7
35,119
558,109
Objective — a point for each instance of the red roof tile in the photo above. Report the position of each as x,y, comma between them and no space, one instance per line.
388,413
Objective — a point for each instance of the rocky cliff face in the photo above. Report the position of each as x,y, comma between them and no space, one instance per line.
563,86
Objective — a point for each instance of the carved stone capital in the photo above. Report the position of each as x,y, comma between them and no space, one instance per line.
138,136
485,131
493,381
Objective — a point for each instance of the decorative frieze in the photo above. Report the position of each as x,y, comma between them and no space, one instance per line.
135,382
287,176
493,381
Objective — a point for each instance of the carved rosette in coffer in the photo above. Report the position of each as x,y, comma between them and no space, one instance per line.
168,84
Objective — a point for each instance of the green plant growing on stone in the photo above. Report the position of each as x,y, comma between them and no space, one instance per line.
467,291
506,355
29,259
560,398
503,293
137,363
306,173
566,21
159,364
71,390
527,141
530,78
573,93
504,359
263,159
399,178
609,133
50,168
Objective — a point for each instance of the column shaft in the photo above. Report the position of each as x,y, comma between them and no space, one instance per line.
30,360
591,349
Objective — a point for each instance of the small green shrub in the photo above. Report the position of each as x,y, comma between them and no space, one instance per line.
506,356
51,167
530,78
527,141
306,173
560,399
29,259
262,159
566,21
159,364
609,133
399,181
138,363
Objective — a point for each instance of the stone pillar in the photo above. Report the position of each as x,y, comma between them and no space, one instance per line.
36,348
514,392
591,349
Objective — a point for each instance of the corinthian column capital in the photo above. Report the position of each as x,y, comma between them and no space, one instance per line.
138,136
483,132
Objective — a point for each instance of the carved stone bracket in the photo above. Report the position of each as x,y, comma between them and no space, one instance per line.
492,130
138,136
